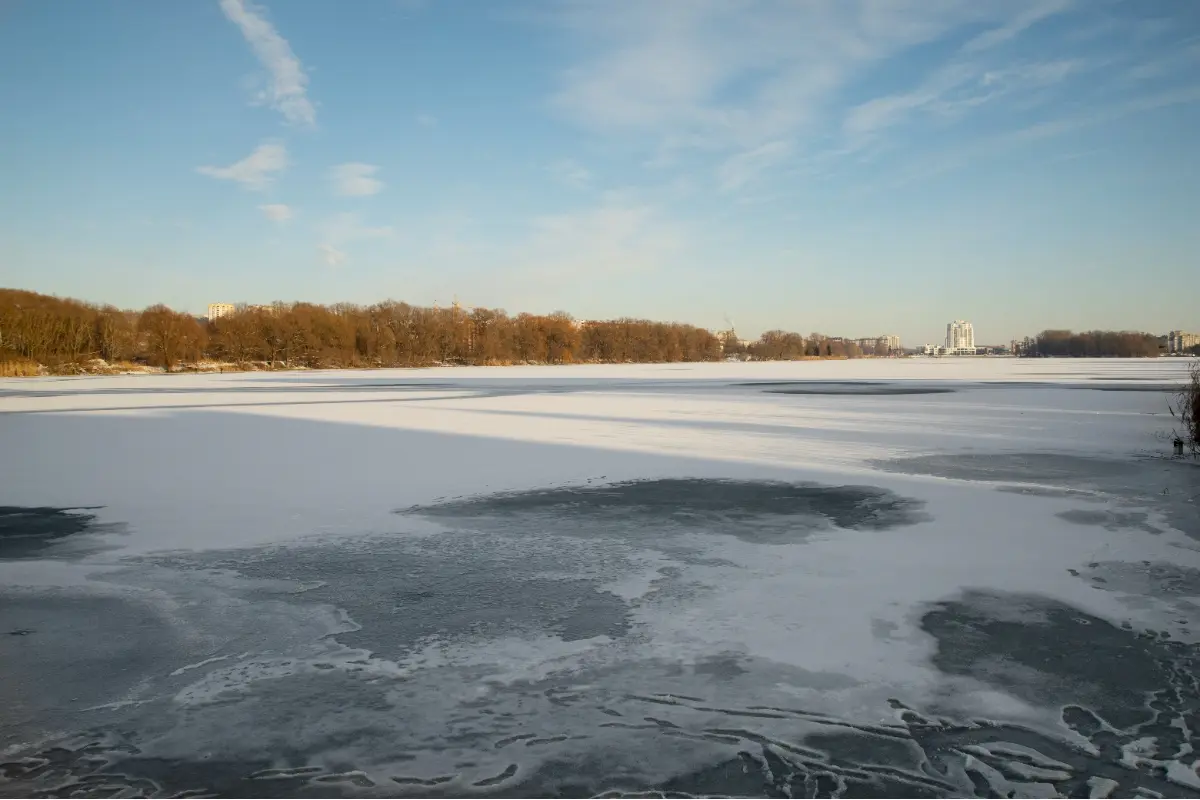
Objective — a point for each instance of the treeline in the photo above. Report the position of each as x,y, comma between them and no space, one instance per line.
57,333
786,346
1094,344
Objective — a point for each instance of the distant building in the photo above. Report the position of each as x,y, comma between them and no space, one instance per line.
1179,342
960,340
960,335
218,310
873,344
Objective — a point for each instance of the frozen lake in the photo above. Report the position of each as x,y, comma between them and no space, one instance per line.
883,577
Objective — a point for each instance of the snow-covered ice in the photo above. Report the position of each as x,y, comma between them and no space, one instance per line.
917,576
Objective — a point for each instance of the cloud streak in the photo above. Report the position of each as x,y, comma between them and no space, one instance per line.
665,69
331,255
744,167
955,89
287,91
276,212
344,229
613,238
571,173
754,87
255,171
1004,141
1018,24
355,180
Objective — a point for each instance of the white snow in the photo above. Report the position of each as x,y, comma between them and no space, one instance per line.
235,460
200,461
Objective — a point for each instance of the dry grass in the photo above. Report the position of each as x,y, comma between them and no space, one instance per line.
1186,410
19,368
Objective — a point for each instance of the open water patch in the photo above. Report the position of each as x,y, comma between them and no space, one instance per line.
40,531
755,511
1050,654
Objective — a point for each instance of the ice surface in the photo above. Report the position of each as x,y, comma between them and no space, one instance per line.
907,576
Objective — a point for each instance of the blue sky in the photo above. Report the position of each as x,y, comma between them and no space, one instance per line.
854,167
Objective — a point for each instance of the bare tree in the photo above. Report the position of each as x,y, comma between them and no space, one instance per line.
170,336
1186,409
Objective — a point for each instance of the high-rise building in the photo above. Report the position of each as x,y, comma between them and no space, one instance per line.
1179,342
893,343
960,336
218,310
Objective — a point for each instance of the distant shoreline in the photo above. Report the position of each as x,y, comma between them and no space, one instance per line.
96,368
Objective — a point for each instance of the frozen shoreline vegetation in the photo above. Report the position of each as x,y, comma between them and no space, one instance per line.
46,335
898,577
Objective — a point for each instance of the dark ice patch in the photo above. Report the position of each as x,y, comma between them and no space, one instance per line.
1043,491
864,391
400,592
31,532
1050,654
759,511
762,767
1012,467
864,388
853,748
82,649
1153,579
1108,519
773,384
722,667
1126,387
1167,485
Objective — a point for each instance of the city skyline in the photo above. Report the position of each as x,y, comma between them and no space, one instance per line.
844,167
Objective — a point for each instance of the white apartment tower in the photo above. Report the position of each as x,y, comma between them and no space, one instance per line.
218,310
960,336
1179,342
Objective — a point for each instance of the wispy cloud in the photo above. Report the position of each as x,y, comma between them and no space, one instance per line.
287,89
427,120
955,89
276,212
344,229
255,171
1003,141
331,255
744,167
602,241
571,173
750,90
1167,62
355,180
1017,24
1186,95
665,69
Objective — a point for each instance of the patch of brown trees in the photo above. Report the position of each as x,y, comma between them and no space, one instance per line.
777,345
1092,344
59,333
